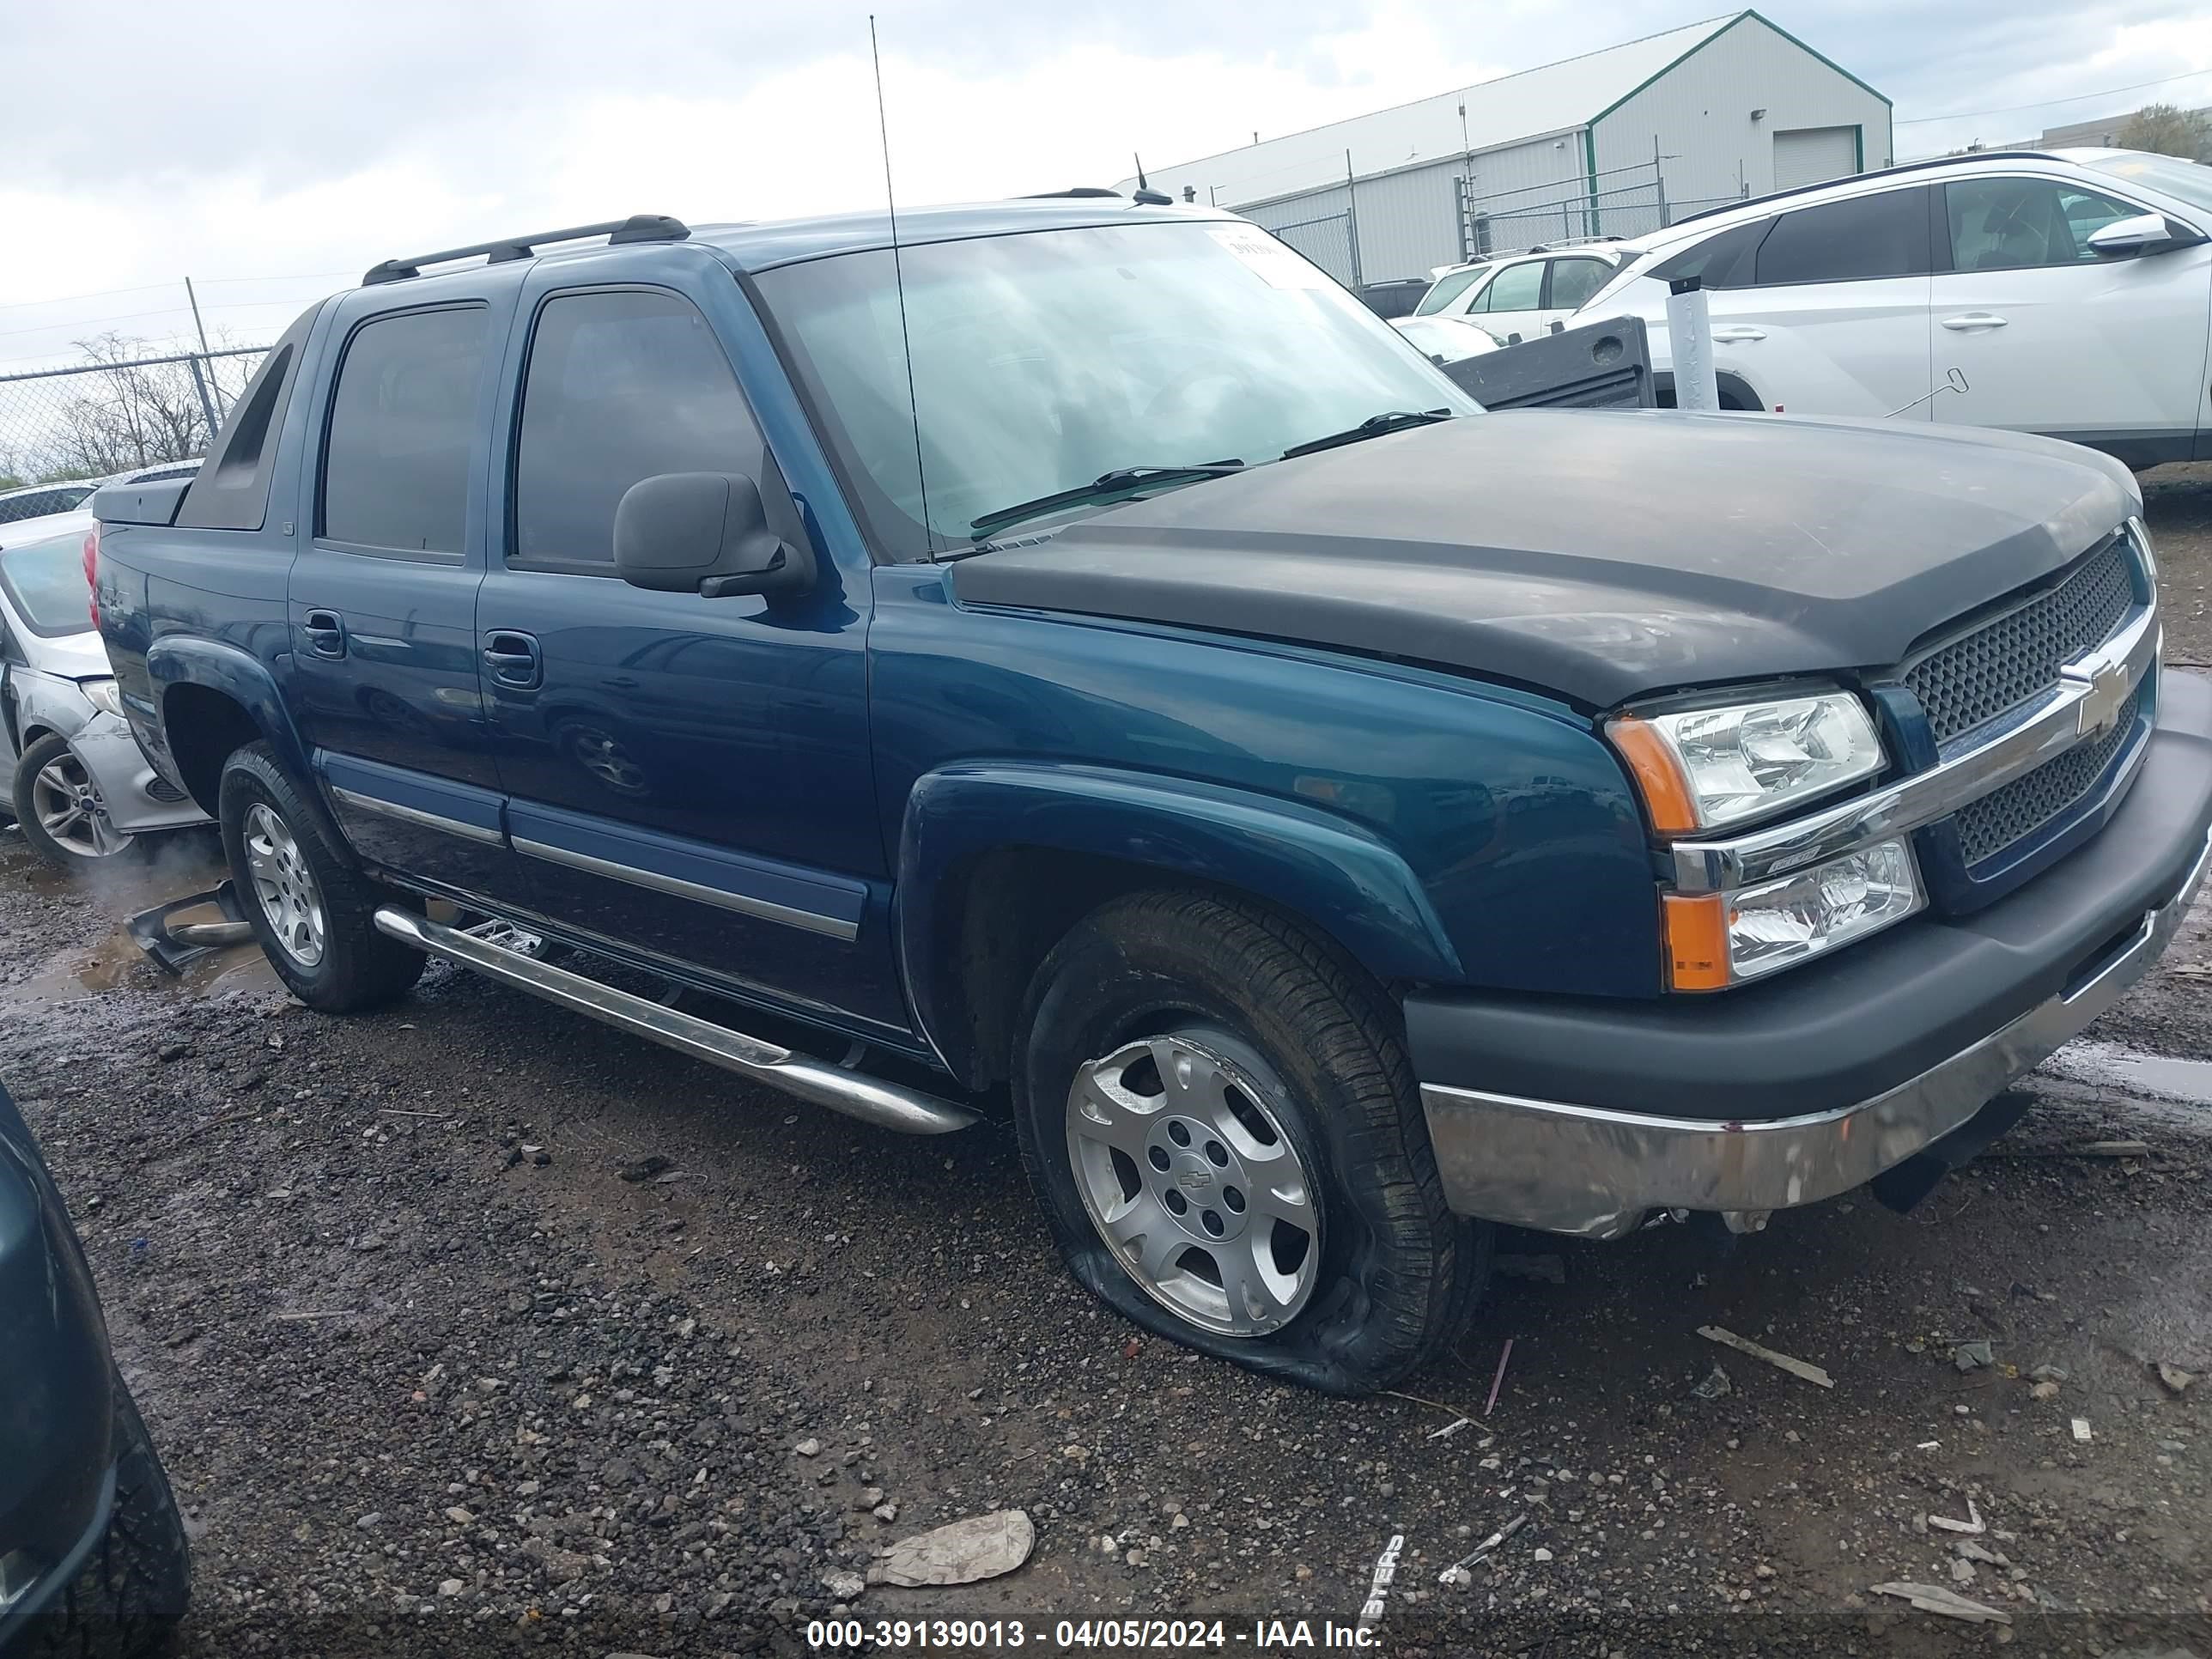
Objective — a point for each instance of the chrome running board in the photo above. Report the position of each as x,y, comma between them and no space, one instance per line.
869,1099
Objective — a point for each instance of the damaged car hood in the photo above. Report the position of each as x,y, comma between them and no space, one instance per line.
1596,555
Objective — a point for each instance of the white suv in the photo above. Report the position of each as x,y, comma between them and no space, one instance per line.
2071,290
1519,294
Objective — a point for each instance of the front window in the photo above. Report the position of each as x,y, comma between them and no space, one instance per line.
45,582
1044,360
1447,288
2185,181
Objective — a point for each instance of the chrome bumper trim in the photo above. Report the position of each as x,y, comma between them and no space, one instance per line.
2088,692
1596,1173
377,807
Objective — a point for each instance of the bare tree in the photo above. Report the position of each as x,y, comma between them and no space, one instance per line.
129,414
2168,129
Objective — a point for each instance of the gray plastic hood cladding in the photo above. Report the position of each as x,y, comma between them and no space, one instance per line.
1596,555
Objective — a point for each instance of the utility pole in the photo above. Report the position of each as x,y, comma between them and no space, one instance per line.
200,382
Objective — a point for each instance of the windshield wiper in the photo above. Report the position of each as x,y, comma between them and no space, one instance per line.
1391,420
1106,484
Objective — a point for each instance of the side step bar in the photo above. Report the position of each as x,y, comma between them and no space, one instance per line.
870,1099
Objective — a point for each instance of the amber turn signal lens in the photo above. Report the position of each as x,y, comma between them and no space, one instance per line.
1659,776
1697,942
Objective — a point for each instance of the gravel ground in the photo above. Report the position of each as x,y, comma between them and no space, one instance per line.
433,1375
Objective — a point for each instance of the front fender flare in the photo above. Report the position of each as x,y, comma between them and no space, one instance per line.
1337,875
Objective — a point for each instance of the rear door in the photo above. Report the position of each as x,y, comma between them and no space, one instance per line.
1572,279
2052,338
383,677
687,776
1833,320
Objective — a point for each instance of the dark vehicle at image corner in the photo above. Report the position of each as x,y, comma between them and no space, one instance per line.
1121,672
93,1557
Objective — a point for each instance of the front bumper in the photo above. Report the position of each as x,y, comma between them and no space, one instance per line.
129,785
1790,1093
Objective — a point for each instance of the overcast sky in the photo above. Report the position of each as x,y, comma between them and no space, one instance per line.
272,151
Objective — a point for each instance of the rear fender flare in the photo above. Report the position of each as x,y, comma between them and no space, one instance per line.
240,676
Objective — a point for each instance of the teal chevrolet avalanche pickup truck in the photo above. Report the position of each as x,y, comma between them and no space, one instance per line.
1078,663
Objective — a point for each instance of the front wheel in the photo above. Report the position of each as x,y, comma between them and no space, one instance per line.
1224,1134
59,807
311,909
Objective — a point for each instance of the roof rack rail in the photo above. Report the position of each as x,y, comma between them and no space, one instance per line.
638,227
1141,196
2016,153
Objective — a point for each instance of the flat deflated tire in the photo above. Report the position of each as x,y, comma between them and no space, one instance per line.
1223,1131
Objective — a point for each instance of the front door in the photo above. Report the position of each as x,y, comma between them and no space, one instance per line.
382,677
2052,338
687,776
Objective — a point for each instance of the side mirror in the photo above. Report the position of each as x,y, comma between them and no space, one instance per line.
2146,232
705,533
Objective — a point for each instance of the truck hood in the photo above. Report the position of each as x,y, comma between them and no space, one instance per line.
1596,555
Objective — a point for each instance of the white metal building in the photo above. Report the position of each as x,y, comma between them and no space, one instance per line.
1614,143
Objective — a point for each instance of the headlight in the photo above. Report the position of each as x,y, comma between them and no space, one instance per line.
103,696
1705,768
1719,940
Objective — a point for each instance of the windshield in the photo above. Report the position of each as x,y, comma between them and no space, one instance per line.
1447,288
1045,360
2187,181
45,586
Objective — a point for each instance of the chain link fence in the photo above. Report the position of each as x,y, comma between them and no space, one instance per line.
1626,201
116,413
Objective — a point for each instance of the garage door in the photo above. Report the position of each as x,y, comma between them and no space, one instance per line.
1806,156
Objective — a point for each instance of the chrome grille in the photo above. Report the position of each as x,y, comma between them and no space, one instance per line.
2027,804
2004,663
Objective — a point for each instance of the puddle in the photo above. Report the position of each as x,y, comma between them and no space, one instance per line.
2189,1081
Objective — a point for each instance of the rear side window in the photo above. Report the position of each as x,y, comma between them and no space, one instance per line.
403,428
1516,288
230,492
1853,241
622,384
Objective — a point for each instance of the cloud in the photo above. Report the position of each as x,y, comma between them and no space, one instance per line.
248,139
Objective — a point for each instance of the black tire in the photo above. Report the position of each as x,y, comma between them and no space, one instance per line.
39,756
126,1602
1399,1273
358,967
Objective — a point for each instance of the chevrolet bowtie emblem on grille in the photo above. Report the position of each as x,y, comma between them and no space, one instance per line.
2107,693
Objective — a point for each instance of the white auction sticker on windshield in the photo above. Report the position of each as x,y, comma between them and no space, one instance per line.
1276,263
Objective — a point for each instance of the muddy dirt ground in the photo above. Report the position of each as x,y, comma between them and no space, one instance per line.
433,1376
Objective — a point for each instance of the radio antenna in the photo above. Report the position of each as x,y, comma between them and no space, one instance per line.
898,281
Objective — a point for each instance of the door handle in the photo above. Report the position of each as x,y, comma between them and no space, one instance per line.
1967,322
512,659
326,634
1735,331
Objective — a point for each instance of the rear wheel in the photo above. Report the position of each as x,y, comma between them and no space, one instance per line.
1224,1134
312,910
60,809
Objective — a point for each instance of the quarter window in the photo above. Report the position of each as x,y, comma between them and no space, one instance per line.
1855,239
2011,224
622,384
402,428
1516,288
